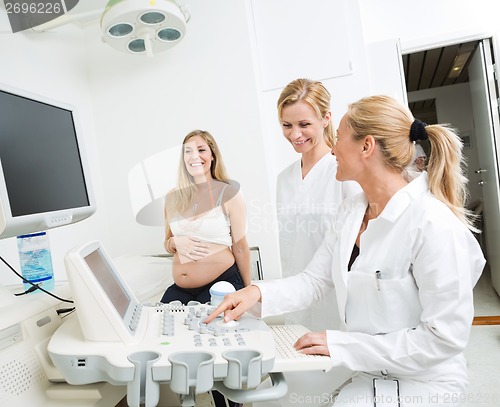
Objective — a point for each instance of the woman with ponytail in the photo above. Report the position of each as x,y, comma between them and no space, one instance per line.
402,260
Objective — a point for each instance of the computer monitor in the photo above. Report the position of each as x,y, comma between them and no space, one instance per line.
107,308
44,176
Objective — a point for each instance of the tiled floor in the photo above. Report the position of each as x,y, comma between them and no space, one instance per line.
483,350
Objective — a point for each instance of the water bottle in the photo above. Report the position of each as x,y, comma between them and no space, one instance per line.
35,259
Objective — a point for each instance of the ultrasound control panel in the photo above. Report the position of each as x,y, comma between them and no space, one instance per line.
176,347
113,338
170,328
193,319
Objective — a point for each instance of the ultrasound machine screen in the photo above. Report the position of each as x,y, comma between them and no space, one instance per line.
107,308
110,284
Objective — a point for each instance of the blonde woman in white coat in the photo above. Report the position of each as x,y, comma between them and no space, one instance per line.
406,300
307,194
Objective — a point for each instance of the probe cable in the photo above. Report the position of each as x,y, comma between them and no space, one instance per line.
34,286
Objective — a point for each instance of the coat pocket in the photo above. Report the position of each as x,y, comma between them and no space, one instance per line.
378,305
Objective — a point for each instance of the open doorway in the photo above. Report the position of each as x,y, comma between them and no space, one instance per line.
451,84
438,90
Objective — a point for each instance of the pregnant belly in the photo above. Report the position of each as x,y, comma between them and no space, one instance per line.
201,272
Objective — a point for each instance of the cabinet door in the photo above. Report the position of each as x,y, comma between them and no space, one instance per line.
301,39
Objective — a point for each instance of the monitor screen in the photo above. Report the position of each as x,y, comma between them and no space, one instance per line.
38,143
107,307
44,181
113,288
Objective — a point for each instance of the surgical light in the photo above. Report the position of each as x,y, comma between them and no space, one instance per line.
144,26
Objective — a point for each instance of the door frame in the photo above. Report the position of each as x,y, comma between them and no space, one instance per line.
445,39
414,46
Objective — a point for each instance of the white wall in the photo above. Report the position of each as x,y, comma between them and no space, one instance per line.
454,106
426,22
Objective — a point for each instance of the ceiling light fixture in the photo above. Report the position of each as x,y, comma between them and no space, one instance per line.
460,61
144,27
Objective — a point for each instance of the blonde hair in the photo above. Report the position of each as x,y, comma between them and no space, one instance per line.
389,123
186,190
314,94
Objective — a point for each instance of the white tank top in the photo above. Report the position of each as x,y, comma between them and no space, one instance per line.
213,226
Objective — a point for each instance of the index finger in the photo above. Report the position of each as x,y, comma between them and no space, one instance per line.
222,307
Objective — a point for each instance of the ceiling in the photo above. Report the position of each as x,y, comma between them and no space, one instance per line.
434,68
423,70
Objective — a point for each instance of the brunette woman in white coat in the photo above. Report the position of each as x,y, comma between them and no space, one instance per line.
307,194
406,299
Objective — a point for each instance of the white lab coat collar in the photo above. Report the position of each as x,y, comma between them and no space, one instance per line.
396,205
403,198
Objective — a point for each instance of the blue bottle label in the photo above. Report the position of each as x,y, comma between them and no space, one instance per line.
35,259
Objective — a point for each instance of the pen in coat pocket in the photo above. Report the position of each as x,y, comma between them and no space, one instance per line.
377,279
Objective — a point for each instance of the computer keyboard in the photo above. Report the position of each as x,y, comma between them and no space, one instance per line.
287,359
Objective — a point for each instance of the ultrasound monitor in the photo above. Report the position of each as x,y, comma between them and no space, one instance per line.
107,308
108,280
44,177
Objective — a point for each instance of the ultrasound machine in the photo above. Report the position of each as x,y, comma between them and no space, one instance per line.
118,340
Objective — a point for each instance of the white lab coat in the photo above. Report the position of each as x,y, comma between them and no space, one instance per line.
306,210
414,321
